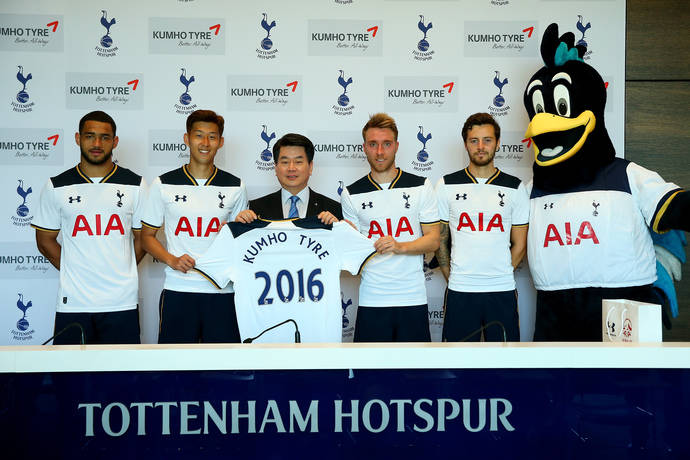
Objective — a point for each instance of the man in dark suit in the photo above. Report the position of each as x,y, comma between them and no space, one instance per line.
293,155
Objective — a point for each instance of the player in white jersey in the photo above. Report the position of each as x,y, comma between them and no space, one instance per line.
286,270
485,211
192,202
95,206
399,211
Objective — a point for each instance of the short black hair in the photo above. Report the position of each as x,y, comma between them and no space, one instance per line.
208,116
294,140
480,119
97,115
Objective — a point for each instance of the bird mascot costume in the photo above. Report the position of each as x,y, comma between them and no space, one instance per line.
591,213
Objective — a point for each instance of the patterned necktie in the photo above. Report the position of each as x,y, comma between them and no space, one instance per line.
293,207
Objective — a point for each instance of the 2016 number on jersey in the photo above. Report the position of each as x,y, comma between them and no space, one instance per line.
285,286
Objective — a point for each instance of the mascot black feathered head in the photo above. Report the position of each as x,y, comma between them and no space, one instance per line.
565,101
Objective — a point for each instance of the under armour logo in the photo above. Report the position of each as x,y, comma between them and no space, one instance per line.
407,200
596,205
183,198
119,197
548,205
458,196
221,197
501,196
73,199
370,204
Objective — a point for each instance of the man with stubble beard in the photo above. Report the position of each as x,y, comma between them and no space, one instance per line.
96,205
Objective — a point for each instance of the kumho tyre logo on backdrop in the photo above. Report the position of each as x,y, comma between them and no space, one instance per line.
420,94
265,93
31,146
168,148
338,149
204,36
108,91
501,39
344,38
31,32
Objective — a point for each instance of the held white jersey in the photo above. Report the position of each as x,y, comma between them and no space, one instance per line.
480,217
98,268
399,210
192,215
286,269
598,235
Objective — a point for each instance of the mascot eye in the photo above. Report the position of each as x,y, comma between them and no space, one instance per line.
561,97
538,102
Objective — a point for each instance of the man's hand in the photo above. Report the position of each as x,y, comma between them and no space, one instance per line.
388,244
246,217
184,263
327,218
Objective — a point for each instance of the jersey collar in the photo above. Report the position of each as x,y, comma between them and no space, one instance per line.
392,184
193,181
488,181
105,178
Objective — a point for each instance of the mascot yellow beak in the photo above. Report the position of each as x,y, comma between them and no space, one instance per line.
558,138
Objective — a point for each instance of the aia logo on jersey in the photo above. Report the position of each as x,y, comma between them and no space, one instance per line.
403,226
495,223
585,232
198,230
95,227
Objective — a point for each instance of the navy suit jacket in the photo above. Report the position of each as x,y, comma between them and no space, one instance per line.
271,207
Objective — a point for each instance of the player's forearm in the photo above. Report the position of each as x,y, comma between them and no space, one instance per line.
443,251
139,251
518,244
517,253
429,242
154,247
51,250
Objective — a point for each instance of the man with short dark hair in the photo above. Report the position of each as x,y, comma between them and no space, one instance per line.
193,201
486,212
399,211
96,205
294,161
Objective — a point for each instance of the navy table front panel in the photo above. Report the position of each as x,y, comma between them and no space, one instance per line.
329,414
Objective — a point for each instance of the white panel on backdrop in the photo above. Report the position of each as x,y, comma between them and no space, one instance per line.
269,69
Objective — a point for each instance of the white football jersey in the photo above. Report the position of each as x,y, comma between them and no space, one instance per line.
287,269
480,217
598,235
398,210
192,215
98,268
